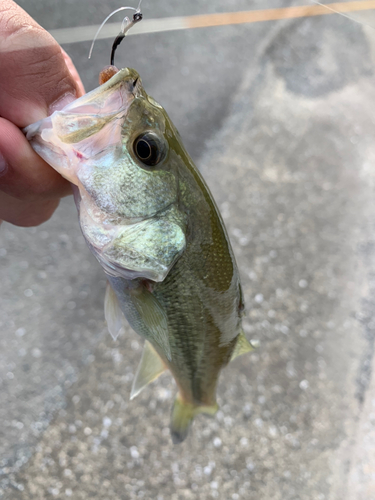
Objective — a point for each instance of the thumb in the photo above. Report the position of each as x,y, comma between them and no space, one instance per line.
34,77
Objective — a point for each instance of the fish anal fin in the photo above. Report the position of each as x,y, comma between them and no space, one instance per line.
149,369
112,312
242,346
183,414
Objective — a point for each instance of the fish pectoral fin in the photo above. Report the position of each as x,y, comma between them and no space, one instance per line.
154,318
112,312
149,369
242,346
182,416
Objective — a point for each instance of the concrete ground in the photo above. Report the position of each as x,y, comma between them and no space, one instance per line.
279,117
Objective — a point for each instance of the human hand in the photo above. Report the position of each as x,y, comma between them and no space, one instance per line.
36,78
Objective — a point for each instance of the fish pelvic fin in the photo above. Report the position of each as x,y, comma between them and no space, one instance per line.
242,346
112,312
182,416
154,318
149,369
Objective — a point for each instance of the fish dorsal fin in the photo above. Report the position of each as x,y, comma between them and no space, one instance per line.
150,367
112,312
242,346
154,318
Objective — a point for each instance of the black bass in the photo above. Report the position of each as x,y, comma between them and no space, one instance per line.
150,220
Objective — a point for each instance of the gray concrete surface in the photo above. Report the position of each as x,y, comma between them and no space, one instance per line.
279,118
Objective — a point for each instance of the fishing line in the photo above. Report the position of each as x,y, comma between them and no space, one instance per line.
329,7
125,27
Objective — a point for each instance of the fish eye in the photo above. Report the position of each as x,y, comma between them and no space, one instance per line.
149,149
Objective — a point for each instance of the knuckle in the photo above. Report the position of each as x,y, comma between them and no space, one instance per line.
15,24
23,213
34,216
26,190
36,192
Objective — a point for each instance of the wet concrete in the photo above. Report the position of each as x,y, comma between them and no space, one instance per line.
279,119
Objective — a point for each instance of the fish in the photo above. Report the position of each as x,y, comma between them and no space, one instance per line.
149,218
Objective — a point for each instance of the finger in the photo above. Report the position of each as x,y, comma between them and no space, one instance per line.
26,213
34,75
24,174
73,71
35,79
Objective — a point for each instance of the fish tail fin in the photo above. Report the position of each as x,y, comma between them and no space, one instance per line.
182,416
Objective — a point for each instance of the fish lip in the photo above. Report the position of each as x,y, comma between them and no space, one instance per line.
31,130
121,75
50,137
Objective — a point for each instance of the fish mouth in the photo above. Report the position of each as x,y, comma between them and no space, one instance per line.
86,126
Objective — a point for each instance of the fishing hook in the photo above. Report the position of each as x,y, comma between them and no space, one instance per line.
126,25
119,38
